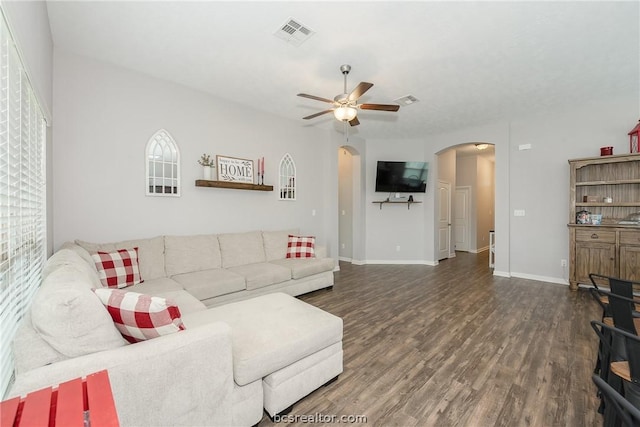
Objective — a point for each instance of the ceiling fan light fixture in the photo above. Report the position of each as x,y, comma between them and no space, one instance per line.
482,146
345,113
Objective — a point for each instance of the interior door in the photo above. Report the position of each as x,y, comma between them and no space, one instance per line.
444,219
462,218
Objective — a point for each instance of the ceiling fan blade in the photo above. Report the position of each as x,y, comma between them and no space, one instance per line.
354,121
380,107
317,98
318,114
359,91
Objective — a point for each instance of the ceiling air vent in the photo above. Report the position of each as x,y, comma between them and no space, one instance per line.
406,100
294,32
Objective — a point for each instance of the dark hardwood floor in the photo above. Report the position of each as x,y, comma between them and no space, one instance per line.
452,345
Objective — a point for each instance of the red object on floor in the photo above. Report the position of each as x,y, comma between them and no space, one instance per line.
68,405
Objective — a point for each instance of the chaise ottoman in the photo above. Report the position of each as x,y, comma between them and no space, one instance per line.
292,346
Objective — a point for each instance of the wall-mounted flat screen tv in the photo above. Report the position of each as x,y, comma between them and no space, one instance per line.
401,177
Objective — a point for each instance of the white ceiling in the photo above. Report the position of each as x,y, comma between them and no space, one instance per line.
468,63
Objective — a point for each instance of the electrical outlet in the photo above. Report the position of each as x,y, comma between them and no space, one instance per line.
398,248
563,263
342,245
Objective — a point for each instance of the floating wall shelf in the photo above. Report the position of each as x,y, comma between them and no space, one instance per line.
234,185
408,203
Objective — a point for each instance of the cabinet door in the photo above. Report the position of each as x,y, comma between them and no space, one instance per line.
597,258
630,262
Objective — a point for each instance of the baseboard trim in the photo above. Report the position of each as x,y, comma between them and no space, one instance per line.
401,262
345,259
548,279
479,250
501,273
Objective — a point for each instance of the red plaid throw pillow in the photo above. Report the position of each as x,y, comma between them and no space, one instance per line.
301,247
140,317
118,269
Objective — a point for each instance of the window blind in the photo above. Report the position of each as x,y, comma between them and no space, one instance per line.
22,197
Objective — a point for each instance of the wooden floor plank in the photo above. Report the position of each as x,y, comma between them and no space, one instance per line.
453,345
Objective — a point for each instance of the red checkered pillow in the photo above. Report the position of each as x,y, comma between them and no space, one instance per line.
140,317
118,269
301,247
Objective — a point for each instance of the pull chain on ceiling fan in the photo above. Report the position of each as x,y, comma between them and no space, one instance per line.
345,105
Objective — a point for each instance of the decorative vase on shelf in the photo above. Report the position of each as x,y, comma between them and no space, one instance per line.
207,172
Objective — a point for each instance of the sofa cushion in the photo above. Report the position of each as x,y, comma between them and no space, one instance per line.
241,248
71,257
275,243
271,332
157,286
186,302
118,269
304,267
150,254
70,317
262,274
82,252
30,350
140,317
211,283
301,247
185,254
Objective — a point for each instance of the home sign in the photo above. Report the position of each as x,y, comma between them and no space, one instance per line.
231,169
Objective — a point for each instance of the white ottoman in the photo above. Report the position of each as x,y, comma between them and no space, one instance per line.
292,346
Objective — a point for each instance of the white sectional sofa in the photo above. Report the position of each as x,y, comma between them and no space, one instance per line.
221,268
264,350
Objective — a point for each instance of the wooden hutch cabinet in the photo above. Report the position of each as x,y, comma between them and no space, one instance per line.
609,186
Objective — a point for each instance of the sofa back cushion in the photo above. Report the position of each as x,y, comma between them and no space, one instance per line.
186,254
68,256
150,254
275,243
30,351
70,317
241,248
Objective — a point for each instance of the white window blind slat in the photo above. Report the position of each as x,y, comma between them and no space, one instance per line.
22,198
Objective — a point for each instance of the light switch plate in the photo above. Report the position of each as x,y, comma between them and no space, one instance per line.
518,212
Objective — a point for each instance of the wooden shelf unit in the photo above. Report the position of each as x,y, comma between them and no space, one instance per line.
407,202
233,185
610,248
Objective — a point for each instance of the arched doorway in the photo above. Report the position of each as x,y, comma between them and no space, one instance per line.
469,169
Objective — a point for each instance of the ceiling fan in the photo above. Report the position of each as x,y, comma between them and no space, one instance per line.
345,105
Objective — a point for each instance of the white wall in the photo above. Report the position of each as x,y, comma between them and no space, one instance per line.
540,176
104,117
394,225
